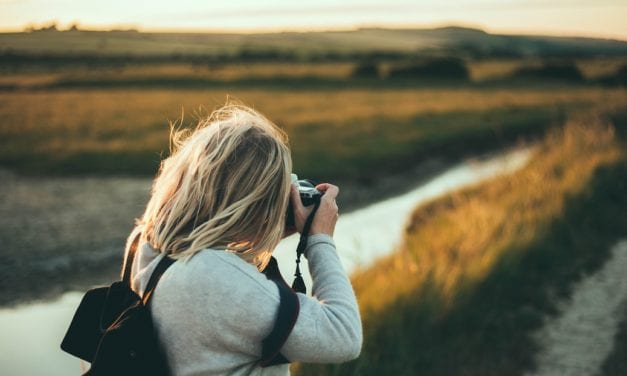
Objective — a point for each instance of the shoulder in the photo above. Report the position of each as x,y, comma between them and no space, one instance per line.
219,295
218,274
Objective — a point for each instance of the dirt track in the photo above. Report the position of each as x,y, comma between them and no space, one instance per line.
581,336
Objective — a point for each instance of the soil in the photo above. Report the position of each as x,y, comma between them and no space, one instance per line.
581,336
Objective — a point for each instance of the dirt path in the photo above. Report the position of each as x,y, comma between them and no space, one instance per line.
581,336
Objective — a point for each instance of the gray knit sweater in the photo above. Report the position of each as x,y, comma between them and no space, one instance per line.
212,312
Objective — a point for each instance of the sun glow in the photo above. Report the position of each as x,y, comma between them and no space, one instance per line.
561,17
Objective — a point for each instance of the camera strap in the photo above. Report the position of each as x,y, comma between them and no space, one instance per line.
299,285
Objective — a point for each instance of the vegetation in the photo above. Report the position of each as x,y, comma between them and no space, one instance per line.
618,78
366,70
348,133
479,269
38,47
126,72
432,69
563,71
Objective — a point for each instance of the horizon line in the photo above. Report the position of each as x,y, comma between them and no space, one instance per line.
313,29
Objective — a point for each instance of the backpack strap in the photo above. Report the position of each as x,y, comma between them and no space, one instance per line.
128,262
161,267
289,309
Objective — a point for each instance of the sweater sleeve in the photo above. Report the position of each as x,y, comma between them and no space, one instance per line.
328,328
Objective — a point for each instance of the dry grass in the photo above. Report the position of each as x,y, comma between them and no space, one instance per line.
210,71
597,68
115,113
466,286
456,241
494,69
127,130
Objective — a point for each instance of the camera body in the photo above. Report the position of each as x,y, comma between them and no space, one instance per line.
308,196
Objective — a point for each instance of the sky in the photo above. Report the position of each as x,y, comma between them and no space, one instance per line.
600,18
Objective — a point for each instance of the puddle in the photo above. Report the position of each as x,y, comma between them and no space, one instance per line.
32,333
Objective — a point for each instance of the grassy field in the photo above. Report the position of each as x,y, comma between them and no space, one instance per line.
77,119
350,132
129,42
298,45
199,74
479,269
103,122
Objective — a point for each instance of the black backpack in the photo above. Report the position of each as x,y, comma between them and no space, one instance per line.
113,329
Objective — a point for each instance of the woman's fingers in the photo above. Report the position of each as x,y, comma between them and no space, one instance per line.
330,191
330,194
326,216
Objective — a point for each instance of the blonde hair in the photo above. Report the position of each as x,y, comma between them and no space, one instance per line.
225,186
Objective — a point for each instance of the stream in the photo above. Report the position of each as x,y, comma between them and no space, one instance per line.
31,333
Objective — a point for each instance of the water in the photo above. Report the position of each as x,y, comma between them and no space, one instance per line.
31,336
364,235
32,333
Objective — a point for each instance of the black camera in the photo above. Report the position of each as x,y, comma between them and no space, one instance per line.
308,196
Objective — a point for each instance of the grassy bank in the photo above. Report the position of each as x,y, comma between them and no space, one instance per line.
350,132
478,270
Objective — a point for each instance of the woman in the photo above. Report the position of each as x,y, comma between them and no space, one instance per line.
218,206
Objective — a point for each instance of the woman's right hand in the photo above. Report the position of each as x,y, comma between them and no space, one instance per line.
326,217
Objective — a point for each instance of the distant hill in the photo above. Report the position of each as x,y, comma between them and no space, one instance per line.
389,43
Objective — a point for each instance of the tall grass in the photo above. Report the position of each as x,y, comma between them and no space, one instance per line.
125,131
479,269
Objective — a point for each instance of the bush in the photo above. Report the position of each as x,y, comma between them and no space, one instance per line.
366,70
564,71
437,68
619,78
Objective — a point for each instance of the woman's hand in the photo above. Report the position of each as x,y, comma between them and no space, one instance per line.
326,217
